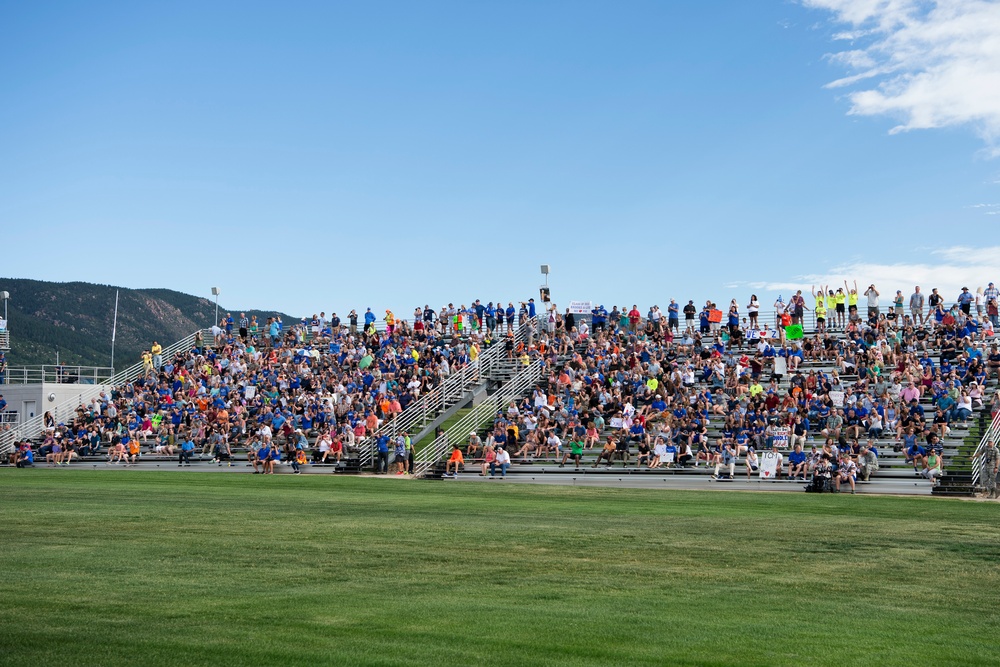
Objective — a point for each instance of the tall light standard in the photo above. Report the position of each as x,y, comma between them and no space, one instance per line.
5,296
215,293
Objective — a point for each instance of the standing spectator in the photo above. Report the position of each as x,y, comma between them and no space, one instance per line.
633,319
157,351
673,316
244,326
991,293
753,308
991,465
917,306
965,301
689,312
934,300
382,462
872,295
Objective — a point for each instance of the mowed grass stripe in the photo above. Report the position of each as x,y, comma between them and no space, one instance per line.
174,569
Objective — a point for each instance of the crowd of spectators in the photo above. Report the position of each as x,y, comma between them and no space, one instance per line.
316,388
649,390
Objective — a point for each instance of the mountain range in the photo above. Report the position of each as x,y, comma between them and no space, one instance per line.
75,319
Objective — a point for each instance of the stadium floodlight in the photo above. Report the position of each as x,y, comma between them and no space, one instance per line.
5,296
215,293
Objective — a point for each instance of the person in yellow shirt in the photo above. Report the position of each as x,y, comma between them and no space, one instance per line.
852,300
841,301
820,318
157,352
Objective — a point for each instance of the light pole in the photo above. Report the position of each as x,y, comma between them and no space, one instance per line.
5,296
215,293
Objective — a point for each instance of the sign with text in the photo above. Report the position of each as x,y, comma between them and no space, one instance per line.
837,397
581,307
768,465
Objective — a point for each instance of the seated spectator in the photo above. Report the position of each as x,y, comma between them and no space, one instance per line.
608,453
575,452
797,467
752,462
847,472
489,456
868,461
502,462
187,449
454,461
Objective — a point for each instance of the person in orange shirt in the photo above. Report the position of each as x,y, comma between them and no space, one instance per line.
454,461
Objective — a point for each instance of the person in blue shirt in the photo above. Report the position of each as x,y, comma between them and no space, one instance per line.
673,315
265,458
382,462
797,463
369,318
187,448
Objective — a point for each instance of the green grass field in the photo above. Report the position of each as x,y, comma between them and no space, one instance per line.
150,568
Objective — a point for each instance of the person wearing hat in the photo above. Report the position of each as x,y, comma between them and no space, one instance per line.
991,293
965,301
475,444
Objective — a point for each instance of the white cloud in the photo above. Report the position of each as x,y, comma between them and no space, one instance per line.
936,62
949,269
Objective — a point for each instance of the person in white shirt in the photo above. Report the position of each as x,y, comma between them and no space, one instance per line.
872,295
502,462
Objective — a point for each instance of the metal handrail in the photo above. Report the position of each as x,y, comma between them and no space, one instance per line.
991,435
57,374
66,410
448,393
525,380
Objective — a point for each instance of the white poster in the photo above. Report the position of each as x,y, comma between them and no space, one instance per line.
780,439
250,392
616,422
581,307
838,398
768,465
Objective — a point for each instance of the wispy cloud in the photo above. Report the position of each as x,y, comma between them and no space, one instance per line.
936,62
949,269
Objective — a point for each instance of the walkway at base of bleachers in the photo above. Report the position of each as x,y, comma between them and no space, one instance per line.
894,486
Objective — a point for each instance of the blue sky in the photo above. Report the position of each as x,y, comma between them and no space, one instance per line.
323,156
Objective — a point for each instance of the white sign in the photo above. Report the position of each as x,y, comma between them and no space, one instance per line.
768,465
780,438
838,398
616,422
581,307
250,392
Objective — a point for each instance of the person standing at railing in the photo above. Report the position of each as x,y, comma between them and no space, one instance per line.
157,351
244,326
991,465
